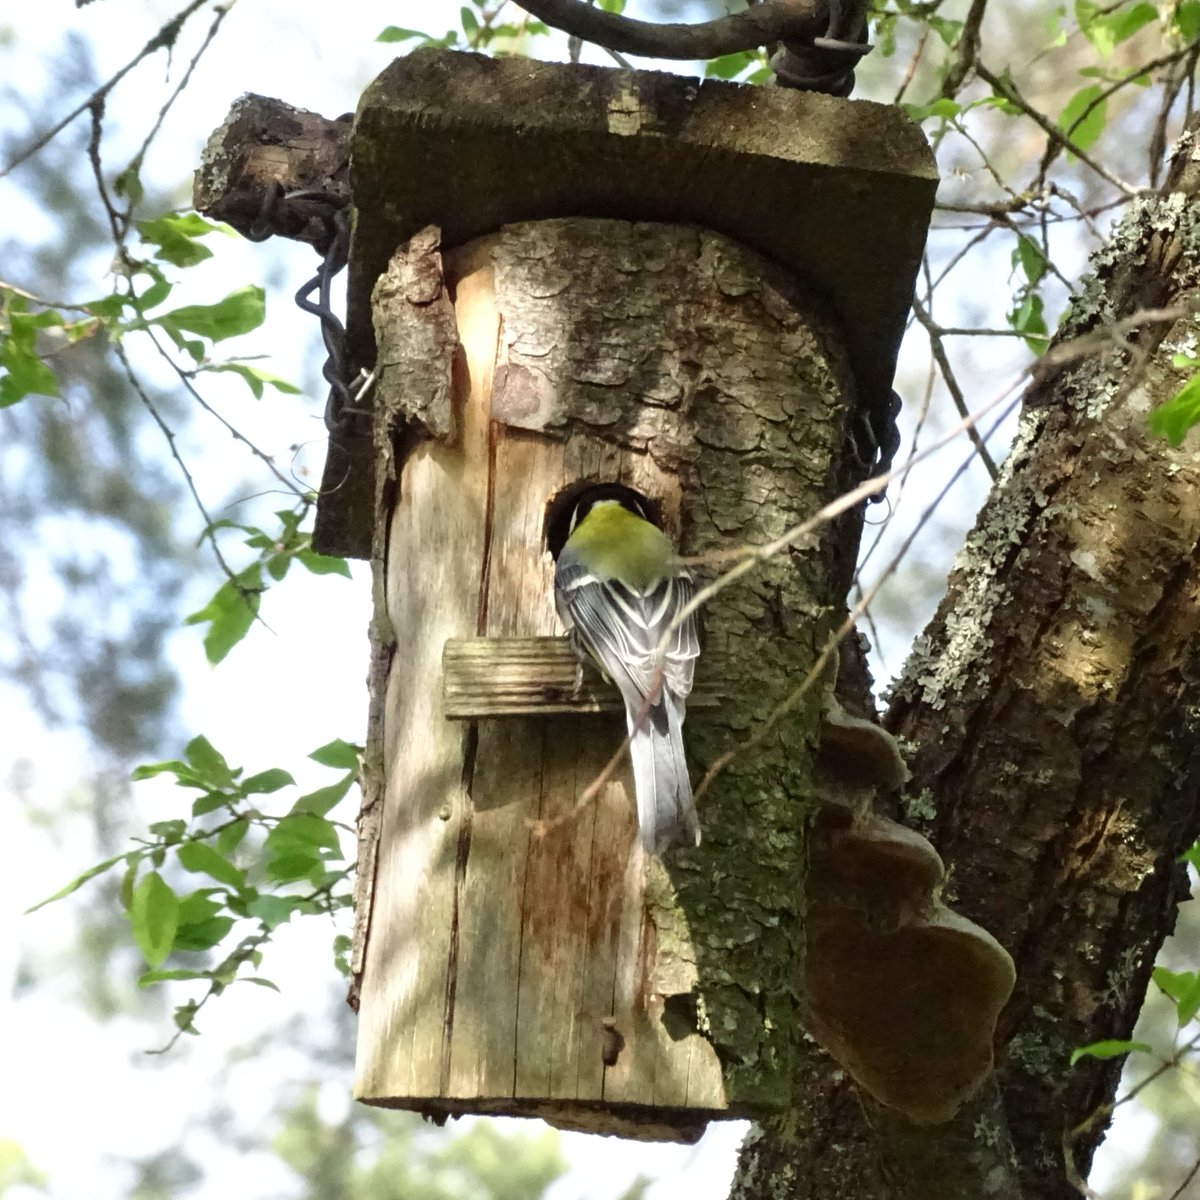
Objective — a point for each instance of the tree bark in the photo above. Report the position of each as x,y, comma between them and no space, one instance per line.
515,954
1049,715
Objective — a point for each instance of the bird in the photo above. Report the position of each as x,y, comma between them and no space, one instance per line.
618,587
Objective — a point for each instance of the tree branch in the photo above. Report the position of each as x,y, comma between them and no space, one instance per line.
759,25
164,39
1050,704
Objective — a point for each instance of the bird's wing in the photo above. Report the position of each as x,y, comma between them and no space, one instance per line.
622,628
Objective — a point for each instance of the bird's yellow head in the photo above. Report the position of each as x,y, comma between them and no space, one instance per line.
613,536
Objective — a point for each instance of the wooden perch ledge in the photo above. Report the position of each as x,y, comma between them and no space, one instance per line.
529,677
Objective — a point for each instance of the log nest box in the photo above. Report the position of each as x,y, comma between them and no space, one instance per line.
569,274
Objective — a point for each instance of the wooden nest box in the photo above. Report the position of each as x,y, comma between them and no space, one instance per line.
566,274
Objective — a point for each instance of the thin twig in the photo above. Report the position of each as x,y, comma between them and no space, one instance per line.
164,39
1103,1112
169,434
981,236
1053,149
919,49
230,428
222,11
861,607
1010,93
960,127
1087,343
966,54
1178,1192
951,381
19,291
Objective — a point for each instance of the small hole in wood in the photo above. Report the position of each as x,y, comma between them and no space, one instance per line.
680,1017
557,525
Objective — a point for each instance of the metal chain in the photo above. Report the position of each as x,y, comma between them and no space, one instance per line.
323,219
827,63
880,439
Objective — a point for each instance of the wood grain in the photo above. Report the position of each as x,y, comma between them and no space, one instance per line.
522,954
525,677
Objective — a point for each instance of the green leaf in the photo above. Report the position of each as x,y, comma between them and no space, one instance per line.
128,879
154,917
159,289
23,372
256,378
272,911
1186,16
109,308
230,613
1173,419
128,184
613,6
199,927
202,935
319,803
302,832
185,1016
202,859
232,836
1183,987
947,30
338,753
1029,321
323,564
270,780
1082,131
25,375
169,831
1108,1049
260,981
341,953
1108,29
149,977
1000,102
209,763
210,802
174,236
943,107
469,22
239,312
294,865
80,880
1029,256
1192,855
149,770
394,33
729,65
885,33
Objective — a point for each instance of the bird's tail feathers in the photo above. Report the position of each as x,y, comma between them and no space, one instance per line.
666,810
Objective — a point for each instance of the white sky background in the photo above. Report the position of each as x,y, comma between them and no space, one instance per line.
78,1096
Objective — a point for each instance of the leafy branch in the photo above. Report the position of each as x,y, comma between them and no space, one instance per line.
262,869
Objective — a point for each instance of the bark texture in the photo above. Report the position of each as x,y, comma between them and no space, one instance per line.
562,975
263,149
469,144
1051,709
1050,714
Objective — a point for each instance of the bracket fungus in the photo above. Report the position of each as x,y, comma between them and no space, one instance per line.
901,990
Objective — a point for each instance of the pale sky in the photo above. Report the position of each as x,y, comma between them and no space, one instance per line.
79,1096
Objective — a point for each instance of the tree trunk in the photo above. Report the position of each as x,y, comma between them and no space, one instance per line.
1050,715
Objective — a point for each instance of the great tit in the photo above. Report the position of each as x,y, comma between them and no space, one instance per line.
618,585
